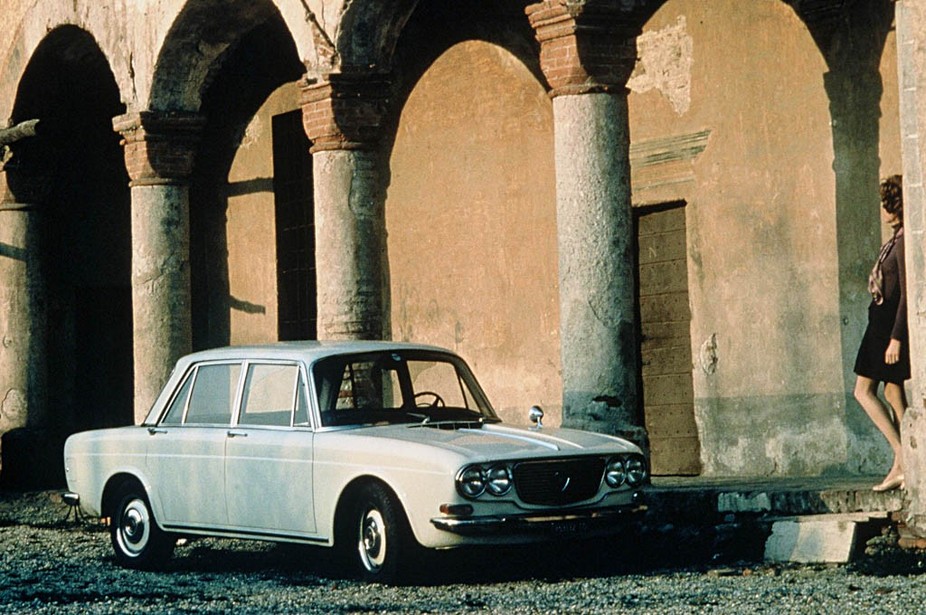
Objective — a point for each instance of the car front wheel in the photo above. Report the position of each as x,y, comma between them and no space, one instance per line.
375,538
137,540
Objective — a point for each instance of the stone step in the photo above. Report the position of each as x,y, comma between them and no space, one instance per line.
822,538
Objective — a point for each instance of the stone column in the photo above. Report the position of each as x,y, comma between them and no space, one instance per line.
23,300
343,118
911,60
28,448
159,153
587,52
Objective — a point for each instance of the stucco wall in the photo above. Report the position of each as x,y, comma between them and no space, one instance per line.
771,364
470,215
251,227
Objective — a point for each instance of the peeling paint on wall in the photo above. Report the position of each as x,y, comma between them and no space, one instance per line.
13,408
253,133
664,64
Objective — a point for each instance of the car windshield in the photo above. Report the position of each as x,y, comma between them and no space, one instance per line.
398,386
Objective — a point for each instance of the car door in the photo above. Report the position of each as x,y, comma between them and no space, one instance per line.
186,454
268,454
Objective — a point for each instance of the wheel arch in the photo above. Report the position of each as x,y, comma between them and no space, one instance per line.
349,494
114,485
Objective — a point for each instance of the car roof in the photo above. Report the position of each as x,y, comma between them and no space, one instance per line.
308,351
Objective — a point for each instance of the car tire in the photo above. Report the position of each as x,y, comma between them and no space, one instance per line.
375,541
137,540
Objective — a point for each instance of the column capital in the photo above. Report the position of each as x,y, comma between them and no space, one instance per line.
585,46
160,147
346,111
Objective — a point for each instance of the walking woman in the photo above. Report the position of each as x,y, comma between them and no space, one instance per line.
884,355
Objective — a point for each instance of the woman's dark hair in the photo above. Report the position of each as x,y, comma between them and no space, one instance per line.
892,195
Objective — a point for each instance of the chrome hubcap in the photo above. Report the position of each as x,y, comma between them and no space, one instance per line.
135,527
372,540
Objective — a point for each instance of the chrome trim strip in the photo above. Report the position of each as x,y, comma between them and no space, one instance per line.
533,522
183,529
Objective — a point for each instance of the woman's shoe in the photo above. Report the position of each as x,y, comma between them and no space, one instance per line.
889,484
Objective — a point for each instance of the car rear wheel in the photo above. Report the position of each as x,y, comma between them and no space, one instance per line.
375,539
137,540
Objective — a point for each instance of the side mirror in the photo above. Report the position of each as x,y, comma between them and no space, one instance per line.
535,414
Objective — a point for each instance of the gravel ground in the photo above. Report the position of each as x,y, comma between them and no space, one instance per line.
50,563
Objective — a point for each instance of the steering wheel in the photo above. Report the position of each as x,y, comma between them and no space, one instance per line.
436,402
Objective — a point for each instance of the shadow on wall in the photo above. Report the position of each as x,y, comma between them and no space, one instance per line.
31,459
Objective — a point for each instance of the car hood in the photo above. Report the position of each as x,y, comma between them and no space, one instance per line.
494,441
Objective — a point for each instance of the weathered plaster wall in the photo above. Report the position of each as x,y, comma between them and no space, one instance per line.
470,215
770,365
10,19
251,226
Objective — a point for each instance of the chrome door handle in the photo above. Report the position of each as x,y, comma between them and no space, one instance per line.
154,430
237,434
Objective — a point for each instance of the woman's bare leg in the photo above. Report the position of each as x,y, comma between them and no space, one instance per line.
897,398
866,393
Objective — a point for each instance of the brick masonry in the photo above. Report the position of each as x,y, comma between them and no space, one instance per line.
582,49
345,112
159,148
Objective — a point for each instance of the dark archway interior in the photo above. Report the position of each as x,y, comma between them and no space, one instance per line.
262,60
74,174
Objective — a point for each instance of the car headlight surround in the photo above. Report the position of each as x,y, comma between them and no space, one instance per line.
615,473
498,479
494,479
471,482
636,471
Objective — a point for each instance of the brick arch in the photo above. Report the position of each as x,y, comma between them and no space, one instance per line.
201,35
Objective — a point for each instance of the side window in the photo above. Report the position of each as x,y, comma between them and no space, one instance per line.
213,394
174,414
270,395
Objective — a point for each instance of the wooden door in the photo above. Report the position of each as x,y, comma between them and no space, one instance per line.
665,322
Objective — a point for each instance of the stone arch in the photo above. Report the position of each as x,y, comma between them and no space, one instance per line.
852,41
201,35
258,64
435,26
88,15
70,183
368,32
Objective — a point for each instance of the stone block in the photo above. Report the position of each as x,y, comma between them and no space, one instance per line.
815,538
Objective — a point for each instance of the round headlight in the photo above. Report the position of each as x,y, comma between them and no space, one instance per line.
636,471
615,474
498,480
471,483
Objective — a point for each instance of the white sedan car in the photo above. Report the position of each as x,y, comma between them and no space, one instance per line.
374,448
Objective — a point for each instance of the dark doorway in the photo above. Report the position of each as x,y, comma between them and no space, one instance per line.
665,347
295,228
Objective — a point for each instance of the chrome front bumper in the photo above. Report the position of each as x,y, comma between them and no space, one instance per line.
562,522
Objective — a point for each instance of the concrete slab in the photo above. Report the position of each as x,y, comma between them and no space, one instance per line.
825,538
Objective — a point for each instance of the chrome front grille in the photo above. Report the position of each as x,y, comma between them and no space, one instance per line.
557,482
